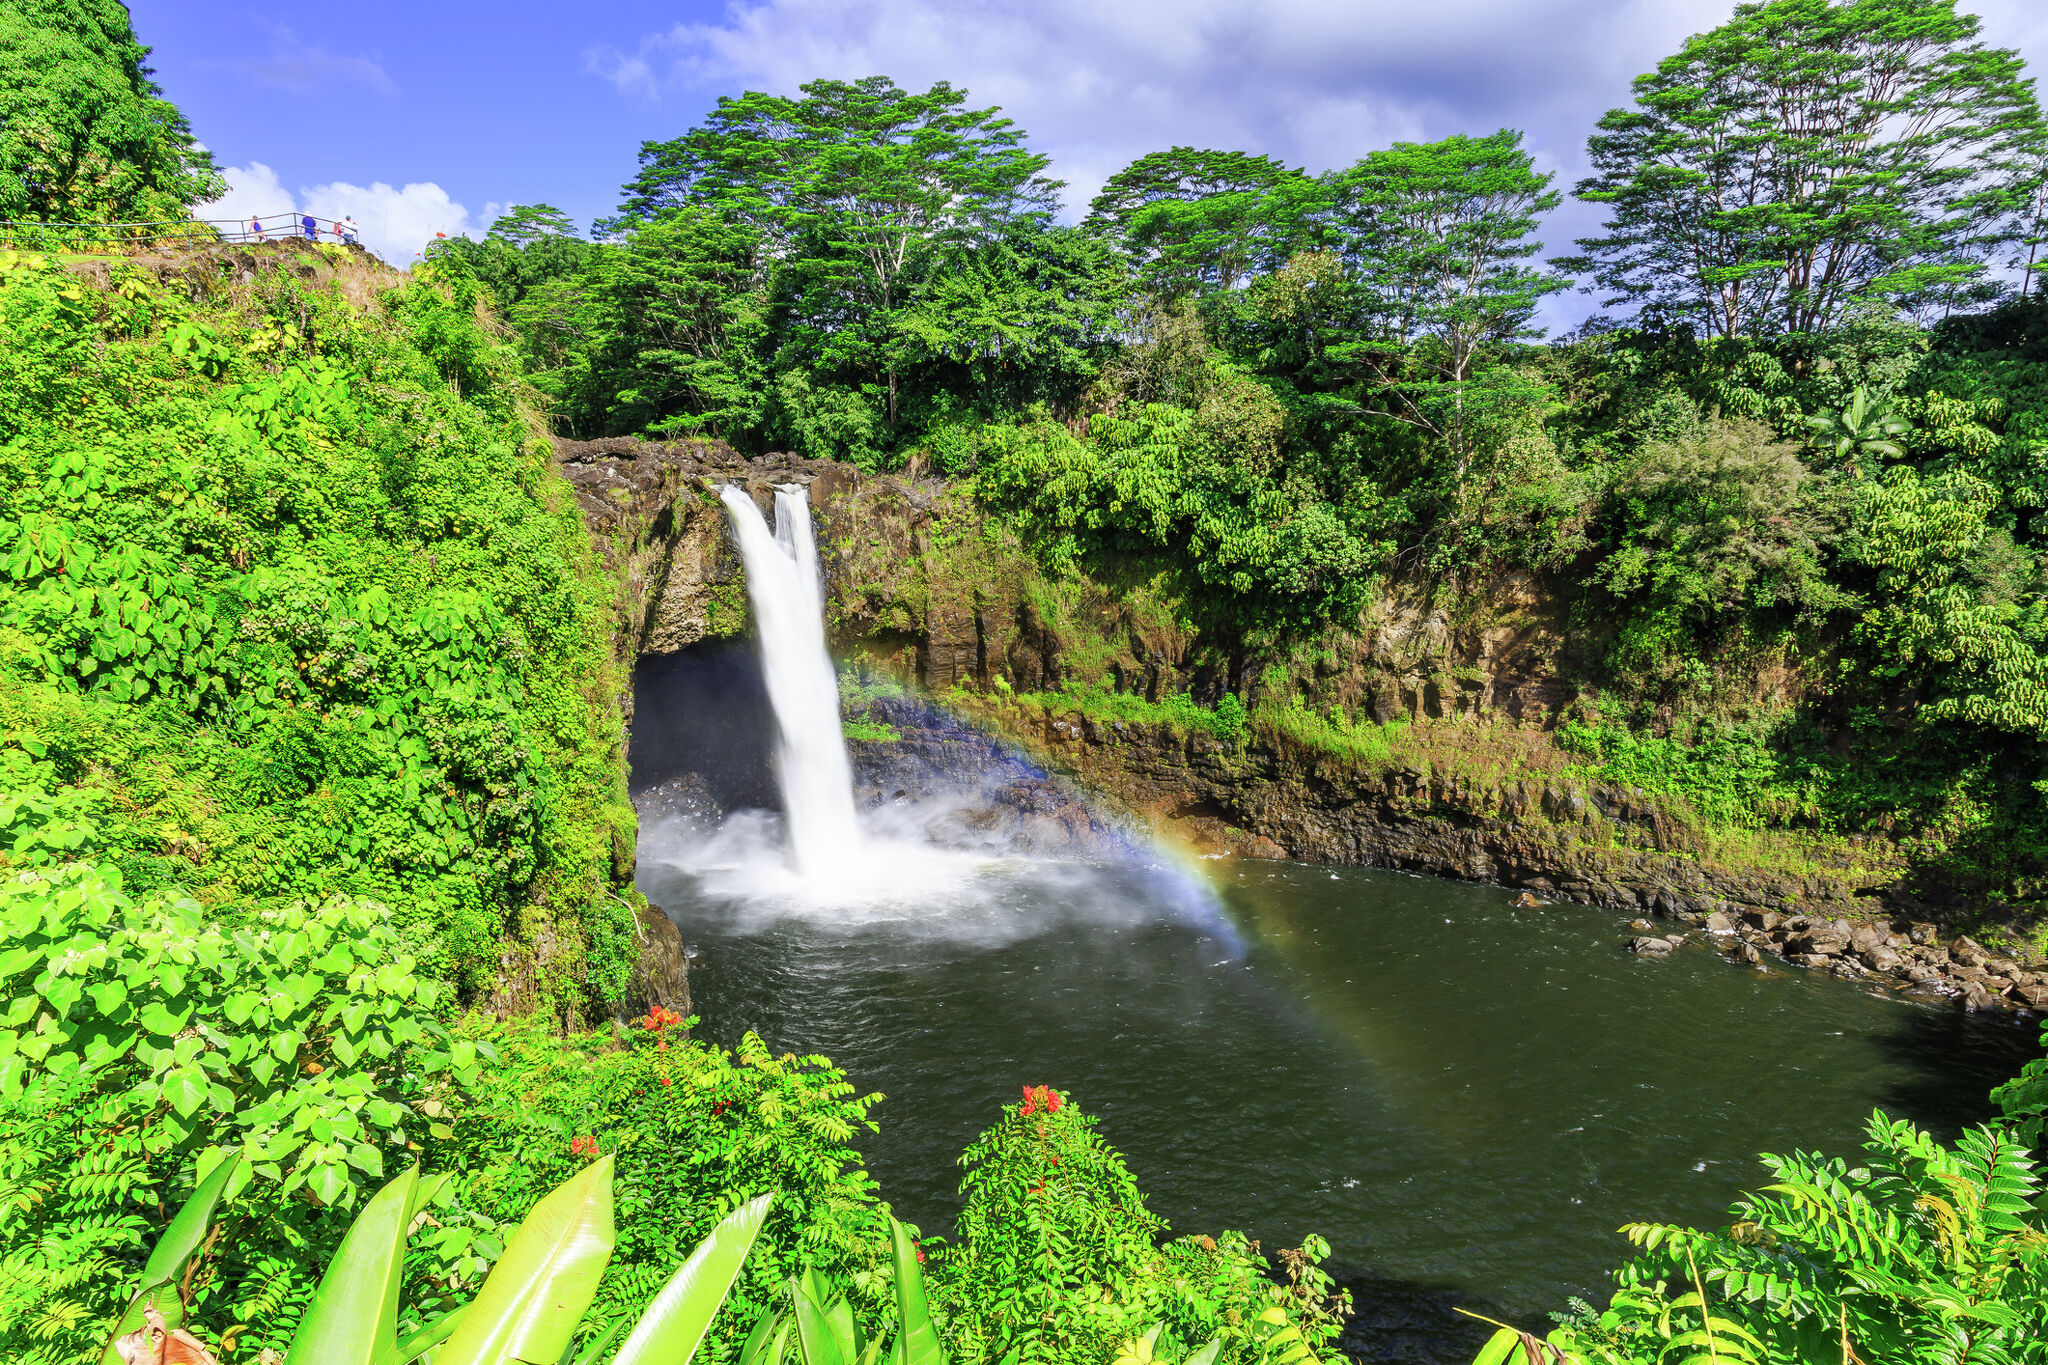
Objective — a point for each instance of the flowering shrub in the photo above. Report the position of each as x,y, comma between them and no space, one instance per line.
695,1132
1057,1257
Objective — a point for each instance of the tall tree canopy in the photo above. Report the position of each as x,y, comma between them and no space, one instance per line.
1194,218
852,184
85,134
1437,237
1807,154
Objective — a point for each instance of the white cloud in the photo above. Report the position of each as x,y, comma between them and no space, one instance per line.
396,223
1315,83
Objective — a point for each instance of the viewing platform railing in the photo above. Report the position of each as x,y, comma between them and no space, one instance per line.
269,227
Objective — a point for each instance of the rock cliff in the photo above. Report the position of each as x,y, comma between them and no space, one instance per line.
924,589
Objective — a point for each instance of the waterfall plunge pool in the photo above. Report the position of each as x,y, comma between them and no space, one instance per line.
1465,1098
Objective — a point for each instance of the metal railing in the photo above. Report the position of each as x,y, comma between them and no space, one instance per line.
268,227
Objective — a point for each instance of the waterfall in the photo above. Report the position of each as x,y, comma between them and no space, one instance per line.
789,613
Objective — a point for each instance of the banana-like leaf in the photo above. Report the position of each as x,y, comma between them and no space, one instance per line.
1499,1347
534,1300
669,1331
768,1328
839,1314
816,1342
917,1342
353,1317
167,1259
428,1337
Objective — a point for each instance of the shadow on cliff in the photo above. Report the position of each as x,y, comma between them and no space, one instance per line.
705,710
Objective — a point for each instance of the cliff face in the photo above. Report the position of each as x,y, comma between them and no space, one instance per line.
917,582
926,590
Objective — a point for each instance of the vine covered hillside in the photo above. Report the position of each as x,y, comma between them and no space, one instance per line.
292,605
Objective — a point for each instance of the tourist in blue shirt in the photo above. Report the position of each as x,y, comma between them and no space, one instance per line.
312,227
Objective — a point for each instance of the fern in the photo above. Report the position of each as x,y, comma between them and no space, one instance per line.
1924,1253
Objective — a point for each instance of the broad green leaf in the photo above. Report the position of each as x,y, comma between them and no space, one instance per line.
669,1331
534,1300
167,1258
917,1343
1499,1347
1206,1355
353,1317
816,1342
764,1344
428,1337
186,1089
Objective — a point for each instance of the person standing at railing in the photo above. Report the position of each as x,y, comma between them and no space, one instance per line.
256,228
311,226
346,229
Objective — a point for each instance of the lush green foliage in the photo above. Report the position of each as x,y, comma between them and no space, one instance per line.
291,606
143,1045
1194,219
1919,1252
1056,1258
85,134
695,1131
1808,154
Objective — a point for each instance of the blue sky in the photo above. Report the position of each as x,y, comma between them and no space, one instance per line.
434,115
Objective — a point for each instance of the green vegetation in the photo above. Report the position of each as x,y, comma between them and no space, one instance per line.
85,134
310,766
274,1073
1918,1252
291,606
1226,720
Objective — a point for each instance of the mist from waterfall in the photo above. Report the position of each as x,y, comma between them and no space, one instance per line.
789,616
950,863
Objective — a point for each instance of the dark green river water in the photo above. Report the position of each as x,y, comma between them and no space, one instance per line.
1467,1099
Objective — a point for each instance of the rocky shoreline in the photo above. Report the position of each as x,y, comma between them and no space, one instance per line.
1905,953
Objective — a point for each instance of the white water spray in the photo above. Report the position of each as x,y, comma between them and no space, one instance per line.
789,613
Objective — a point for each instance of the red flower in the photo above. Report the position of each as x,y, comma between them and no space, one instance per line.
1037,1097
659,1019
583,1146
663,1080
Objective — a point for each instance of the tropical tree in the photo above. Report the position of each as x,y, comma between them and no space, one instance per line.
1807,154
1194,219
527,246
85,134
851,185
1437,240
1023,318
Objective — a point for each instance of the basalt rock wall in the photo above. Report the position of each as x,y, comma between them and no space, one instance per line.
920,583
